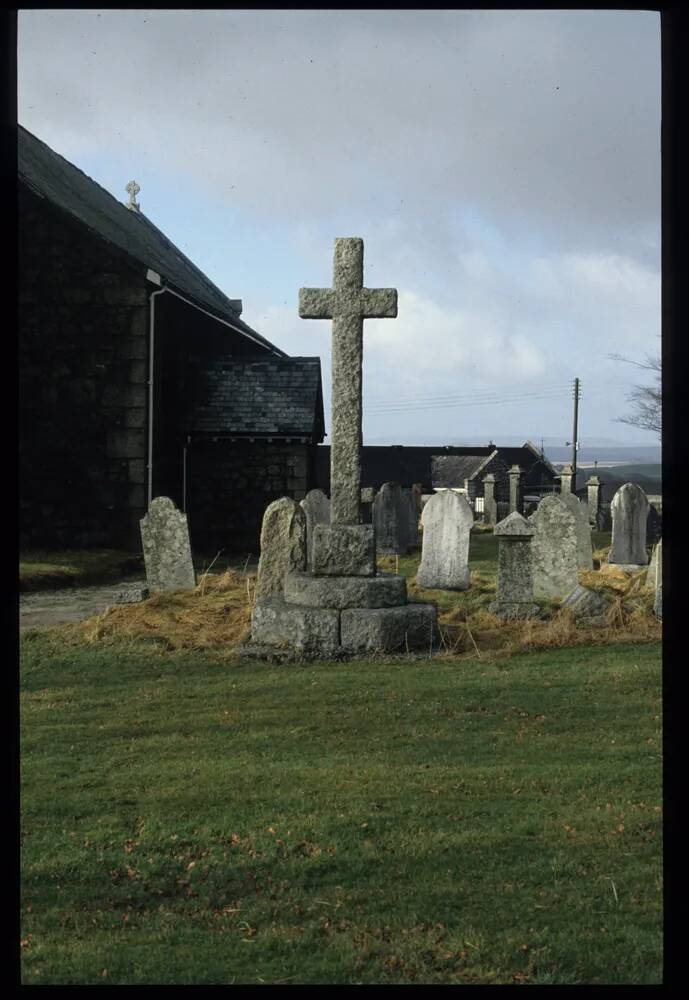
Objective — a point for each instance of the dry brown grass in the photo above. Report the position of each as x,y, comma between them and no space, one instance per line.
215,615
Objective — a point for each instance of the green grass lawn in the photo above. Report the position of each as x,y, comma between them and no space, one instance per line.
186,819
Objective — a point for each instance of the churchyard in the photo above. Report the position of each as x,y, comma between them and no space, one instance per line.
365,760
488,813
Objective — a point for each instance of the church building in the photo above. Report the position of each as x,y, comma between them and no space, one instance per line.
139,378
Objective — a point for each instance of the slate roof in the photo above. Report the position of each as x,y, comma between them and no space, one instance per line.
451,470
257,397
54,178
407,464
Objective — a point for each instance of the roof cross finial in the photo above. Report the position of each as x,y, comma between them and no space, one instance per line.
133,189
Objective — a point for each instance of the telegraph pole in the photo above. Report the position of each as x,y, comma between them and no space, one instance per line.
575,440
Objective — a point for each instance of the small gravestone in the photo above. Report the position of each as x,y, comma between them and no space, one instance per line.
584,545
447,519
587,605
555,548
413,518
654,525
166,547
132,595
283,546
316,507
490,507
658,603
654,576
368,495
391,520
629,510
514,591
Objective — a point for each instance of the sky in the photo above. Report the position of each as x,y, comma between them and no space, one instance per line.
502,168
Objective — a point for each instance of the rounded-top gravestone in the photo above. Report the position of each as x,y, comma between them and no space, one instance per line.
629,509
316,507
447,519
166,547
554,548
391,520
283,546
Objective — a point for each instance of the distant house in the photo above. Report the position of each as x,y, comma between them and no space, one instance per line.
448,467
138,377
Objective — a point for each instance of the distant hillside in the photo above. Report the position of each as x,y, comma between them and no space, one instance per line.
607,456
648,477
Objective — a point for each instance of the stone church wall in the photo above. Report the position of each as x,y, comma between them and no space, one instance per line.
230,484
83,322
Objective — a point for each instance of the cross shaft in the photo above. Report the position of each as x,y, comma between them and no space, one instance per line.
348,304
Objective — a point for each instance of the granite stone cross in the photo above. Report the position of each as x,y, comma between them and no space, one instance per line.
132,190
348,304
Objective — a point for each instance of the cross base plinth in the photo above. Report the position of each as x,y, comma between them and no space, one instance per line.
344,550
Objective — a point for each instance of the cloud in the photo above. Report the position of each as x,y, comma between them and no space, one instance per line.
307,112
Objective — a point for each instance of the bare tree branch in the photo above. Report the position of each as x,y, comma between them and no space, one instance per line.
645,400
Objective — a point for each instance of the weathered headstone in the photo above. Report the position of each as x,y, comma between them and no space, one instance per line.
654,525
554,547
316,507
593,485
391,520
490,507
283,546
447,519
654,576
368,495
514,592
584,544
587,605
629,509
515,475
413,518
166,547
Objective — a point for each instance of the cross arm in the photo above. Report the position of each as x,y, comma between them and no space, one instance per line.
379,303
316,303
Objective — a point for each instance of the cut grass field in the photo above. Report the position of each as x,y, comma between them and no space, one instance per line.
41,569
476,817
186,819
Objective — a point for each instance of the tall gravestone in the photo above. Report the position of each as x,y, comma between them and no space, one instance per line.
514,590
391,520
584,544
316,507
412,518
490,507
447,519
283,546
654,576
629,509
343,606
593,487
515,475
166,547
368,496
555,548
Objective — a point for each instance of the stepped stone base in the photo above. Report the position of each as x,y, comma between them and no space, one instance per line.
332,633
388,630
382,591
308,631
514,609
